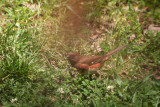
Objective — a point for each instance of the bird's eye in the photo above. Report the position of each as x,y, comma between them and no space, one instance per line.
68,57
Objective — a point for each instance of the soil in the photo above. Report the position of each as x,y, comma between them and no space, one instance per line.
75,22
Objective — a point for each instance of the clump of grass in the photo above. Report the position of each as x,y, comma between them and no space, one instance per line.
35,92
18,40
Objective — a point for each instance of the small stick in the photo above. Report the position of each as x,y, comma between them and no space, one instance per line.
6,77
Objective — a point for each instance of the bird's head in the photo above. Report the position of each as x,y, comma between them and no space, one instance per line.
73,56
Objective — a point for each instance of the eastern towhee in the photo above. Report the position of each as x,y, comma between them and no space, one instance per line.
87,64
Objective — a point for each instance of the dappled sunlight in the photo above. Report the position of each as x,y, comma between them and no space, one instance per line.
54,53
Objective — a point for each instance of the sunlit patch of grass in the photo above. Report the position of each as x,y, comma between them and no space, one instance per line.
18,40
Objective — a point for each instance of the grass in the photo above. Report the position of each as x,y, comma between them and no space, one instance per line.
33,46
19,50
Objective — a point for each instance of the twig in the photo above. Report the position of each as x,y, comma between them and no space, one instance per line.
6,77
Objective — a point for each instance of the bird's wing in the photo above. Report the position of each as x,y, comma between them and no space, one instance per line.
90,60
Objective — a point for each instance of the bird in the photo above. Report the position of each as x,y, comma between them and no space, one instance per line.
90,64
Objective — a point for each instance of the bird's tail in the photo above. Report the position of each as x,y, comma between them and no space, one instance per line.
114,51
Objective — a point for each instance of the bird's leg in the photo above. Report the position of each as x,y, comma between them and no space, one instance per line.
99,73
